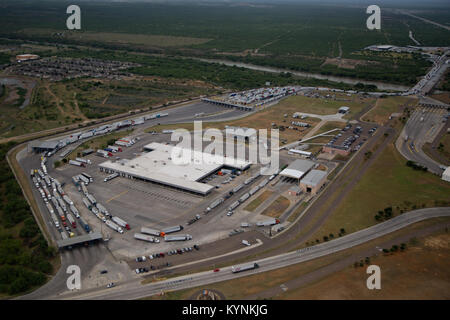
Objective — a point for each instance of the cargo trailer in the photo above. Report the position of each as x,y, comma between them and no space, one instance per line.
114,226
74,210
214,204
143,237
87,203
71,219
151,232
244,197
254,190
171,229
76,163
180,237
84,225
244,267
121,222
91,199
88,176
234,205
269,222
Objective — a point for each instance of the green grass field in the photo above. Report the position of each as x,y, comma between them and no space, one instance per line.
276,208
257,202
297,36
386,106
387,183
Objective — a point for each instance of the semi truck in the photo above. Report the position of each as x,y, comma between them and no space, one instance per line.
88,176
102,209
239,187
143,237
254,190
115,148
100,216
171,229
269,222
74,210
71,219
84,189
54,219
263,183
87,203
214,204
49,207
114,226
179,237
82,160
60,190
111,176
76,181
61,214
91,199
68,200
234,205
193,220
244,267
61,204
76,163
121,222
150,231
249,180
244,197
104,154
84,225
83,179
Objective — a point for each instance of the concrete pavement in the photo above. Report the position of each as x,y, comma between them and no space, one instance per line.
134,291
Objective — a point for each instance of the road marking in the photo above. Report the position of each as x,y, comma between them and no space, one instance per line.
115,197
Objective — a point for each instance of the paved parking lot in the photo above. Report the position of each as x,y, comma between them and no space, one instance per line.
146,204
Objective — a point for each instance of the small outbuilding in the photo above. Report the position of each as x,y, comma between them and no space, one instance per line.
344,109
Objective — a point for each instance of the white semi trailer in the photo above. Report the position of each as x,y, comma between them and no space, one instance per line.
114,226
180,237
143,237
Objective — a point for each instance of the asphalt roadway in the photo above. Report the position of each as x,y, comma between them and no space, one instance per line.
422,127
136,290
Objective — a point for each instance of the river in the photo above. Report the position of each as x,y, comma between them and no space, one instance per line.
352,81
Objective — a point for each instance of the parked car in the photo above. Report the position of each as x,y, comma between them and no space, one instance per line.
110,285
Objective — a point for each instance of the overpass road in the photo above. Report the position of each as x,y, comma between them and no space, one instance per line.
134,290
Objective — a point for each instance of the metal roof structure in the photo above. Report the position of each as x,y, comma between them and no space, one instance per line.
44,145
297,169
80,239
177,167
313,178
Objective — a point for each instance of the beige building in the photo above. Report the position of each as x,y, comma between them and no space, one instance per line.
313,181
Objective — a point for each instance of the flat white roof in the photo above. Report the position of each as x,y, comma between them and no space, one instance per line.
175,166
313,177
297,169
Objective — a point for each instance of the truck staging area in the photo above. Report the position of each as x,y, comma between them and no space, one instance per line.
147,205
157,165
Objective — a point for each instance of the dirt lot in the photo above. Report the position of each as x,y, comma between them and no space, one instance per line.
277,207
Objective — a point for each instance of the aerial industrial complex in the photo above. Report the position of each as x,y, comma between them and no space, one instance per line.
172,167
